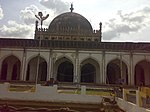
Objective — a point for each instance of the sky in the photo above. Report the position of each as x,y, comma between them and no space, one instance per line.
123,20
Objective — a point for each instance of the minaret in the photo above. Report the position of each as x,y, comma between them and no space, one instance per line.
100,30
36,29
36,25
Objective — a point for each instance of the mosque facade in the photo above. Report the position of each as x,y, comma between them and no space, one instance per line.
69,50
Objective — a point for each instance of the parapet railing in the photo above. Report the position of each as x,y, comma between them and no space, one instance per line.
140,97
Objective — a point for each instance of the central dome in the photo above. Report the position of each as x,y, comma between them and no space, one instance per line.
70,23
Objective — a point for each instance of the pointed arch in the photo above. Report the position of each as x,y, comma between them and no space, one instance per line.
64,56
35,56
32,67
10,68
90,71
142,73
117,72
89,57
64,70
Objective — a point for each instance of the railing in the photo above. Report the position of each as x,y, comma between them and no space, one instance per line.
141,97
85,94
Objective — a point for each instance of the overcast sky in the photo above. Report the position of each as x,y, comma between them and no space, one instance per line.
123,20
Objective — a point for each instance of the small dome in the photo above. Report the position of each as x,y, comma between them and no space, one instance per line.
70,23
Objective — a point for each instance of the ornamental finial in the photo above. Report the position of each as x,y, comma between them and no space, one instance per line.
41,17
71,9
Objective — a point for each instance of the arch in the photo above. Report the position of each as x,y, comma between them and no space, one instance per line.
89,57
34,56
32,67
8,55
10,68
63,69
142,73
90,71
117,72
64,56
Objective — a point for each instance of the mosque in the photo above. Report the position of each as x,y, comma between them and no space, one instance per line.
69,50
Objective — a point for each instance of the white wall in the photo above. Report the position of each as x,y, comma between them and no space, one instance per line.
47,93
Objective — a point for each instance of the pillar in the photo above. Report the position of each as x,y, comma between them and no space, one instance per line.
83,90
25,69
137,98
49,66
131,77
75,80
23,65
0,63
124,94
121,69
0,67
55,88
52,72
79,72
103,68
100,72
76,68
22,68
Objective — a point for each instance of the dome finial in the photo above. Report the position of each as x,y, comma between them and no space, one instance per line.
71,9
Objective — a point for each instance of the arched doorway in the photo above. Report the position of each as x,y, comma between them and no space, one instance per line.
142,73
64,68
32,69
117,72
90,71
10,68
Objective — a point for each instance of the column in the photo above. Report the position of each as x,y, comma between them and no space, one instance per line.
83,90
76,68
0,62
53,72
121,72
103,68
23,64
75,79
138,102
52,68
124,94
49,66
132,70
100,81
25,69
0,67
79,72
